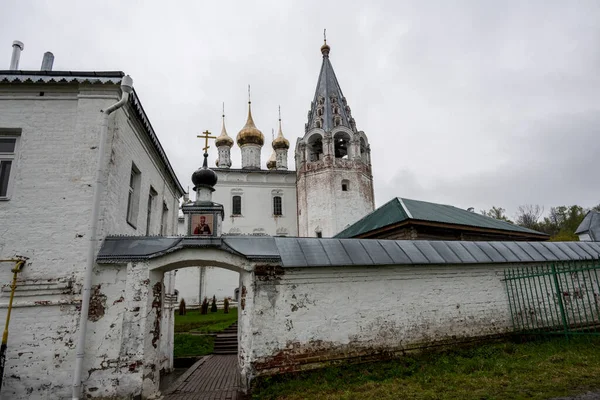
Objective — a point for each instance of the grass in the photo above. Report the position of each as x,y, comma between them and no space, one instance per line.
534,370
187,345
211,322
192,345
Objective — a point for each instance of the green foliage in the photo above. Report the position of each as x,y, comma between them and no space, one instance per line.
226,305
533,370
213,306
182,309
186,345
204,306
197,322
562,222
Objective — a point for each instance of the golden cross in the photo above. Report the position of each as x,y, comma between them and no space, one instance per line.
206,135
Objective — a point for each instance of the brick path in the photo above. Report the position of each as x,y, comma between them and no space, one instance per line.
214,377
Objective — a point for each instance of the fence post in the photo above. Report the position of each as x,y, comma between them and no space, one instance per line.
560,302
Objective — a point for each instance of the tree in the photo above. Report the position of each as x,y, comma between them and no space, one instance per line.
182,307
213,306
204,307
496,213
562,222
528,216
226,306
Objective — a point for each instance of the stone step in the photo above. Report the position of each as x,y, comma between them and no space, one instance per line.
225,352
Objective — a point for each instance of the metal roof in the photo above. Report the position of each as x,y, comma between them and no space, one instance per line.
590,225
400,209
95,77
328,87
294,252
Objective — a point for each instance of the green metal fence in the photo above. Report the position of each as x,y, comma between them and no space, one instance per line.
562,298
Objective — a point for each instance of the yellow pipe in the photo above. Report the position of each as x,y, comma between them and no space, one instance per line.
15,271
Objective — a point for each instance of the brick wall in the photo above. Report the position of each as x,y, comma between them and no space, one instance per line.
47,219
299,322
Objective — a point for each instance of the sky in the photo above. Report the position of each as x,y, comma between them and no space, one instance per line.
469,103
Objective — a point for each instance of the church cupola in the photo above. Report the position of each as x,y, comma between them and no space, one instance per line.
281,146
204,217
250,140
204,180
224,144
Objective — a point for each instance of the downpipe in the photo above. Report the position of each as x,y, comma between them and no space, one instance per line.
126,88
19,264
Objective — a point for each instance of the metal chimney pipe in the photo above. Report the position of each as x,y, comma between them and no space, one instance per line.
16,55
47,61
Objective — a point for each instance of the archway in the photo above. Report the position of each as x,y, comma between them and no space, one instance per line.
190,259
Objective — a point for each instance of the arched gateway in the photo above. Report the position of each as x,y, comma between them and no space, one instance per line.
146,339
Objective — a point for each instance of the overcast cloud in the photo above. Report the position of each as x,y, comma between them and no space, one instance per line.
473,103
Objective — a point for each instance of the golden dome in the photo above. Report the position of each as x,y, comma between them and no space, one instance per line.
272,163
325,49
250,133
223,139
280,142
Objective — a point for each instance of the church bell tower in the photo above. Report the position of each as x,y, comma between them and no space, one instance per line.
333,162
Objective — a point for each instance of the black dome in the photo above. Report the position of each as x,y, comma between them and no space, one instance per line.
204,176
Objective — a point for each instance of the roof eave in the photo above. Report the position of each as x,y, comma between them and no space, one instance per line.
411,221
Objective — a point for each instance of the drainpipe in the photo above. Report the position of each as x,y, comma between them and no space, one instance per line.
126,88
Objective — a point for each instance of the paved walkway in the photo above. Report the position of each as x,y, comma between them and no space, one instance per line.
214,377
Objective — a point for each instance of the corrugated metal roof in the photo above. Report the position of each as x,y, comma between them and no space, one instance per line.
94,77
319,252
590,225
399,210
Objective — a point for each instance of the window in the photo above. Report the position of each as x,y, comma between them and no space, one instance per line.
341,144
133,201
8,149
277,209
345,185
164,219
319,234
236,205
151,196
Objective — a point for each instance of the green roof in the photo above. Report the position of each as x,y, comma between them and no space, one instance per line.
399,210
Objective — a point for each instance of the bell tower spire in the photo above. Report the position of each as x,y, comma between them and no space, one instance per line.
333,159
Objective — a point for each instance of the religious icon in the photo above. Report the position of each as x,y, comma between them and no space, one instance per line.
202,224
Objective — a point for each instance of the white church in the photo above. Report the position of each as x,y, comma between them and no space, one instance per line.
331,188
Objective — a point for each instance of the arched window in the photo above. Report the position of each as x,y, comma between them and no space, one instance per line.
345,185
277,208
236,207
315,143
341,144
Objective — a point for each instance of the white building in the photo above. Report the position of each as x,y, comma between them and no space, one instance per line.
50,136
331,189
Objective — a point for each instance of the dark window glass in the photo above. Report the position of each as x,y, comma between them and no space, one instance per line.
237,205
4,175
277,210
7,145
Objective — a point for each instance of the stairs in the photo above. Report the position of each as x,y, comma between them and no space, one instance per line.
226,342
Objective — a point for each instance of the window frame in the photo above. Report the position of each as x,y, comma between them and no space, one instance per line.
280,198
345,185
134,190
152,195
233,205
164,219
12,158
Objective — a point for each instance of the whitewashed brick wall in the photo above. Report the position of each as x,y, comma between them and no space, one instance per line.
308,316
47,219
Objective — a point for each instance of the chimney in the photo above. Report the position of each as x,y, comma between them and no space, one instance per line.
16,55
47,61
